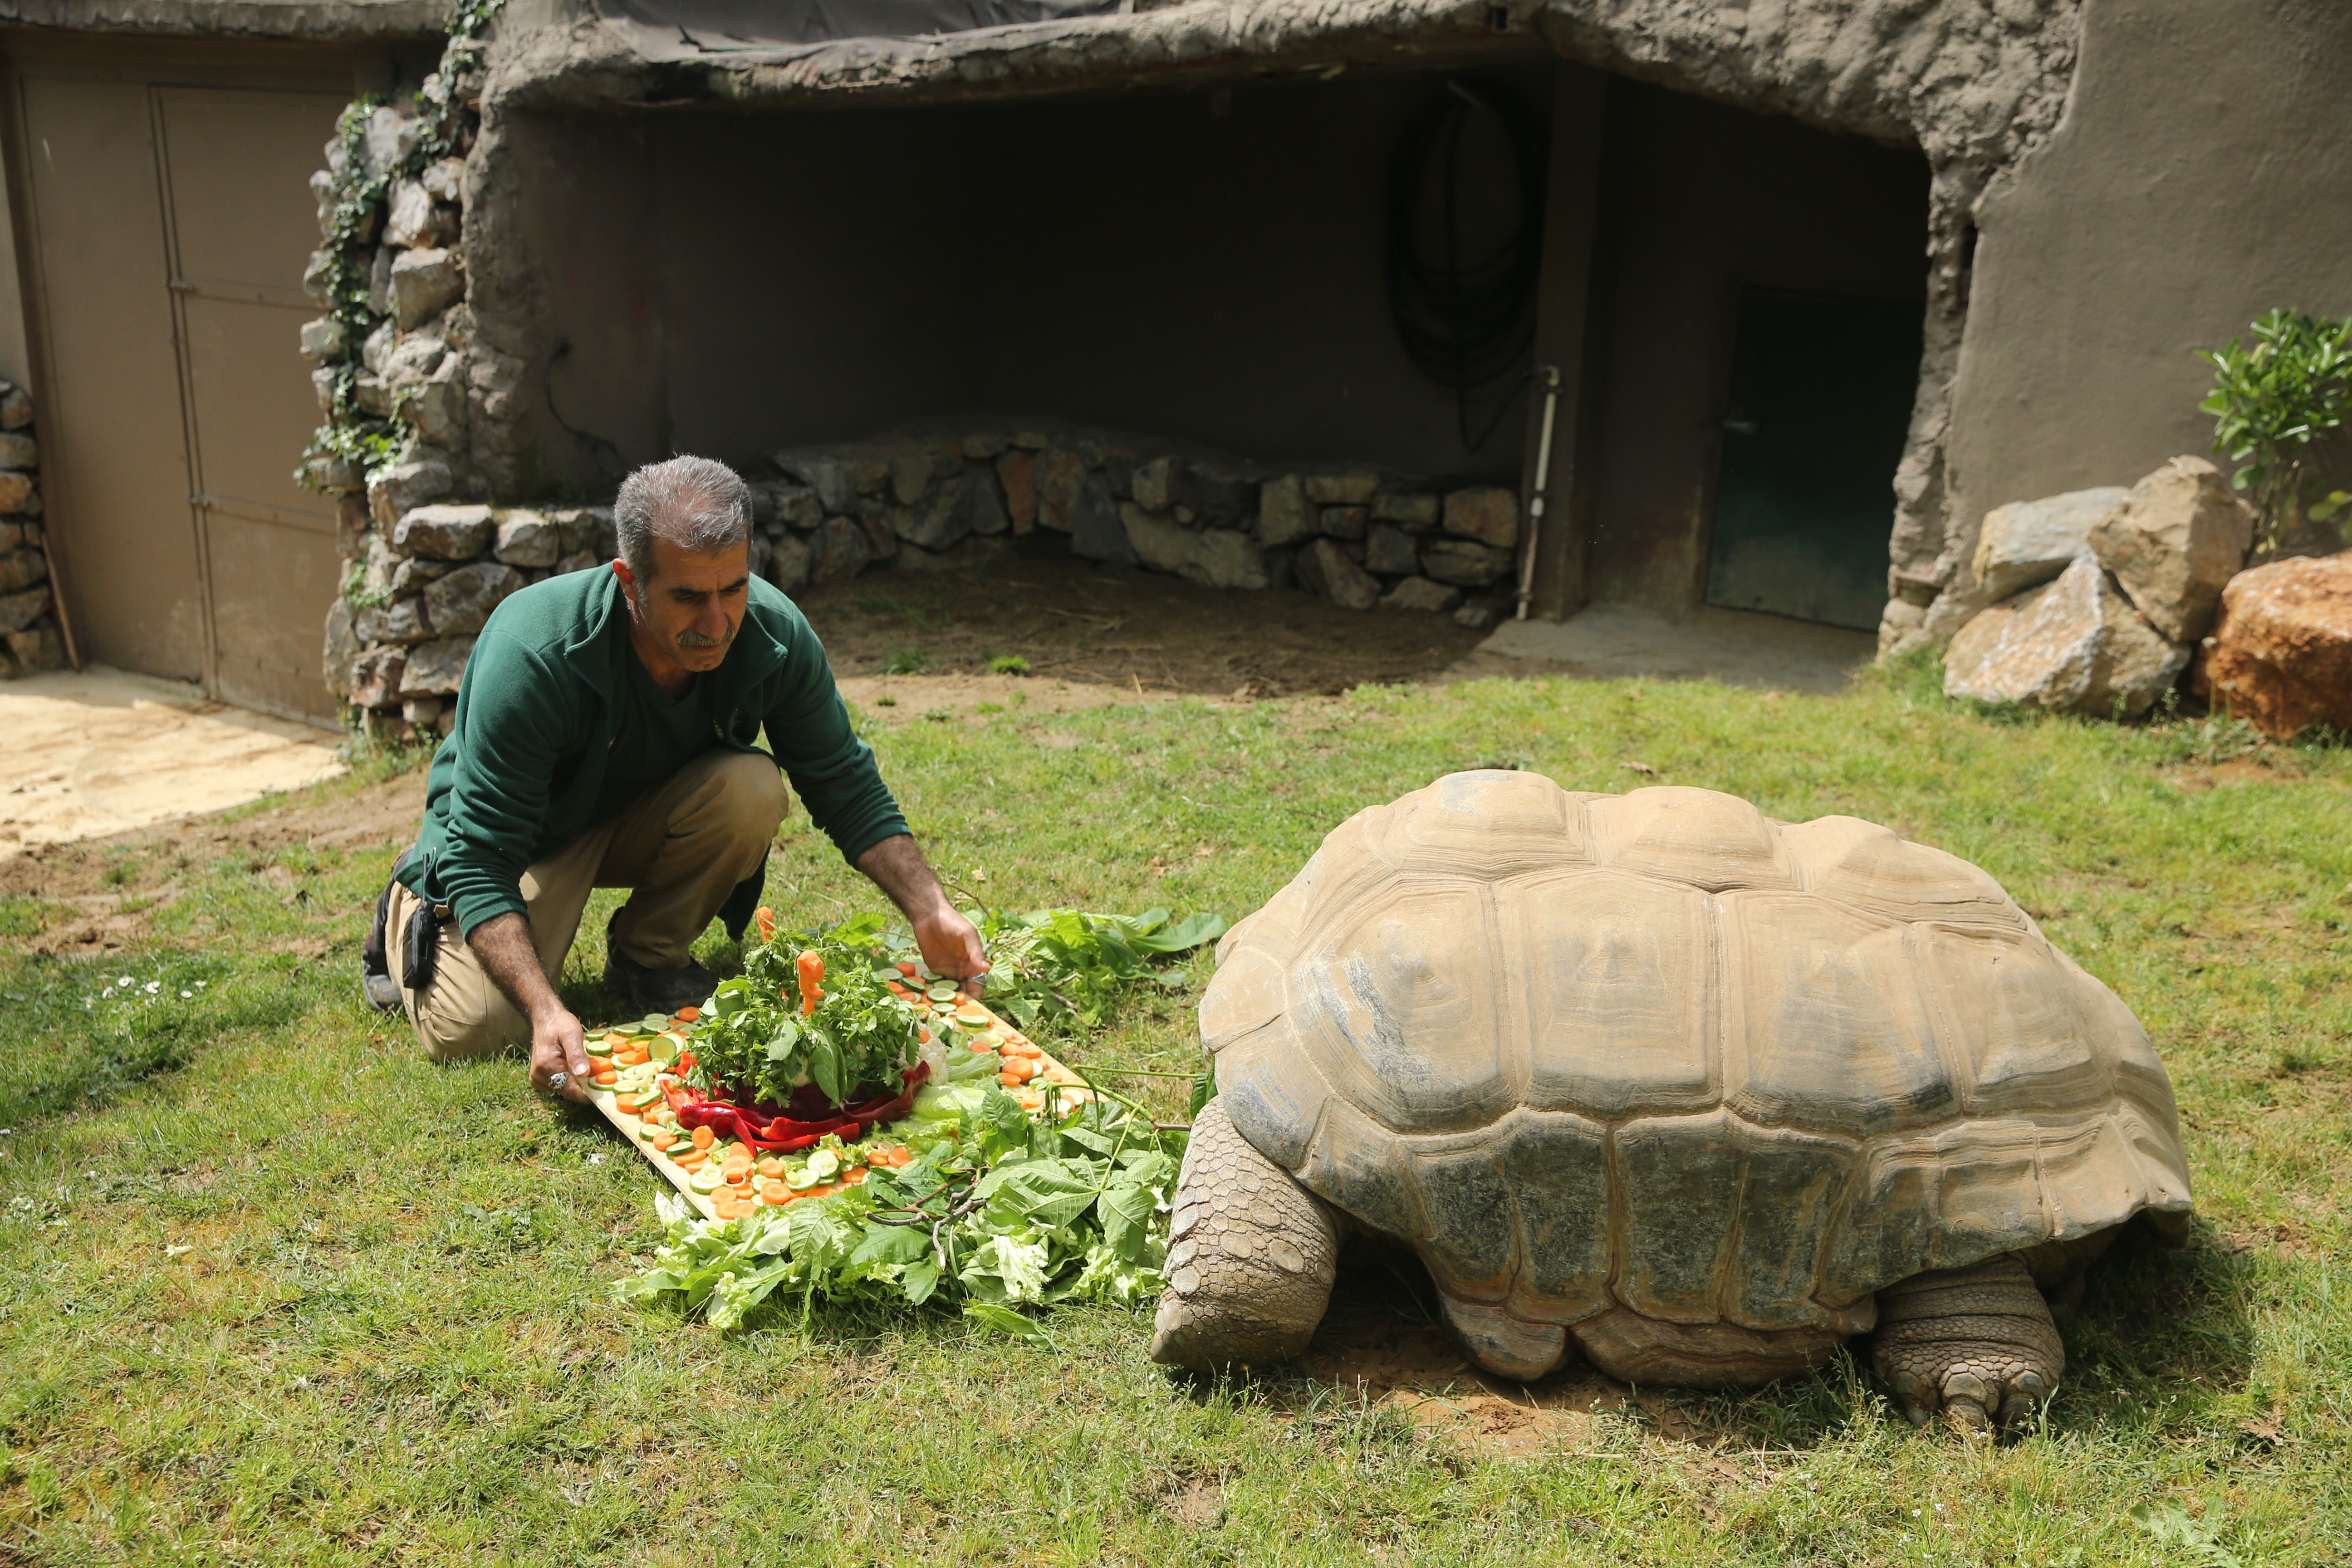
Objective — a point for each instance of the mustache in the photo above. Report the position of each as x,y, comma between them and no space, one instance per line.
696,639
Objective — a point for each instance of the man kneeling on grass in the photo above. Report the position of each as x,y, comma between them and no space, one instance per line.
605,738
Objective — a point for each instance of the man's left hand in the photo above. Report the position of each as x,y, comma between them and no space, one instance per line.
951,945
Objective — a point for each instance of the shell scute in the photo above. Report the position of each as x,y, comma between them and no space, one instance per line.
1556,1167
1670,1175
1826,1027
1396,1004
2029,1044
1473,1232
1489,823
1618,974
1863,864
1695,835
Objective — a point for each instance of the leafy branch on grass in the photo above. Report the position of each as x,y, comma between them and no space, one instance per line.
2270,401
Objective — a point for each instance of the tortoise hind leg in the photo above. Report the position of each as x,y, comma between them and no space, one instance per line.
1977,1344
1251,1256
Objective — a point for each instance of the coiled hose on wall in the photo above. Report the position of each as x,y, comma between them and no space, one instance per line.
1466,322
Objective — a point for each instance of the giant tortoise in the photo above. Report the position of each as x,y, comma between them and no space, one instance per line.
1656,1078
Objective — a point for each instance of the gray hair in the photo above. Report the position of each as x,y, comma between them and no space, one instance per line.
696,503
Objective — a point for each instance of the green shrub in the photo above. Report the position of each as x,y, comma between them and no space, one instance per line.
2269,402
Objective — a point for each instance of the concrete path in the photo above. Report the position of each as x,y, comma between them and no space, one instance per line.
1618,641
102,752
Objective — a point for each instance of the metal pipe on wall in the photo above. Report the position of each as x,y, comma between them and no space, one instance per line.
1548,377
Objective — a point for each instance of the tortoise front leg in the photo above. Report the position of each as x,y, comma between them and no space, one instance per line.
1977,1344
1251,1256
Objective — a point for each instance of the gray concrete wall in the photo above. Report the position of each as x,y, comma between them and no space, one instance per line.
1700,200
2202,173
1208,269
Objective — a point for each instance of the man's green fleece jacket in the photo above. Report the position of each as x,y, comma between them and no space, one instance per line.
519,776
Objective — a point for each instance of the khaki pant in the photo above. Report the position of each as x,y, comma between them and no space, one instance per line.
682,846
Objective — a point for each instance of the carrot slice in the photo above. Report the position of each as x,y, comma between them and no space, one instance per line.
704,1137
1009,1081
688,1014
856,1178
907,969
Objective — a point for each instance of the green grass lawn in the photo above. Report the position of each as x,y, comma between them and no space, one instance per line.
285,1294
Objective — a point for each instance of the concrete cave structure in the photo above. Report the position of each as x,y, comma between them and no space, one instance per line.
668,233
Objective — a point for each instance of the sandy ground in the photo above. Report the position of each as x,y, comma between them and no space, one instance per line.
101,752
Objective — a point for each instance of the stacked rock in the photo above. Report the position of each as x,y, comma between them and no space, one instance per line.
398,639
2139,579
1359,536
28,618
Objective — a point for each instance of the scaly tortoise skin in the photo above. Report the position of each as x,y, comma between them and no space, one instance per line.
1655,1079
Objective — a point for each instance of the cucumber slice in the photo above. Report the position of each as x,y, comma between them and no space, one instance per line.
666,1048
823,1165
941,992
649,1131
705,1181
600,1047
653,1023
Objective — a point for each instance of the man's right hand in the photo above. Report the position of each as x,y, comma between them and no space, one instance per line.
503,943
558,1044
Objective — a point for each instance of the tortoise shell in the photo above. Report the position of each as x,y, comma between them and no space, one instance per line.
1655,1050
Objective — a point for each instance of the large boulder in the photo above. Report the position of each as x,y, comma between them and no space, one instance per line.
2028,542
462,601
1488,514
435,669
2075,646
1325,567
1095,531
1214,557
1465,562
2280,656
2176,540
938,516
445,532
1284,516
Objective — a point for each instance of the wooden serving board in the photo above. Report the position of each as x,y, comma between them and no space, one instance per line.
608,1105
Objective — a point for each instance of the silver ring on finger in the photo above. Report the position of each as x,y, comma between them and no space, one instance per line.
556,1080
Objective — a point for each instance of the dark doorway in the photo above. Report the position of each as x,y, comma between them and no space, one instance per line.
1821,400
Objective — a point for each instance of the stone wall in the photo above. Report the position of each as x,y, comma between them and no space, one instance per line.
398,640
28,613
431,571
1358,535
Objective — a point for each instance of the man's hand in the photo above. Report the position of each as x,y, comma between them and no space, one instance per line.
951,944
508,953
558,1044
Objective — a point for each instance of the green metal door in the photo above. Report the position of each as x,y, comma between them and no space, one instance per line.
1821,400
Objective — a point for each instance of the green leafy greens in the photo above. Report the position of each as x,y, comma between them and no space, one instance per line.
1065,966
754,1045
998,1209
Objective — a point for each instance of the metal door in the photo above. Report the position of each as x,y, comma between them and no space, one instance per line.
236,166
1820,402
114,462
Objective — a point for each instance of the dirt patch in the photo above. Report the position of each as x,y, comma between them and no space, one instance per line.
1116,627
1379,1346
108,889
2262,767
